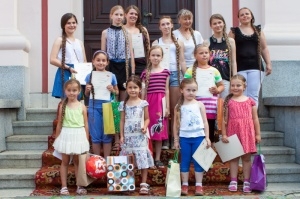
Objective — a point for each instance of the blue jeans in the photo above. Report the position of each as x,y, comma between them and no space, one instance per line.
254,79
174,79
188,146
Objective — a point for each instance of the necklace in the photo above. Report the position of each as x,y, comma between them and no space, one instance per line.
186,35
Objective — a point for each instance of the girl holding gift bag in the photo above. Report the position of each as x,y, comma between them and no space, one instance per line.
133,130
72,133
191,122
156,92
240,117
95,114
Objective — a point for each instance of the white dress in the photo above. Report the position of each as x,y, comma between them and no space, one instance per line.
135,141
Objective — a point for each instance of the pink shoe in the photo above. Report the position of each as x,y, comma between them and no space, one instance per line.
232,186
184,190
246,187
199,191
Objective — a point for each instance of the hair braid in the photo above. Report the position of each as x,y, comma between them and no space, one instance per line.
229,52
63,111
92,86
126,52
147,42
177,55
257,32
63,59
194,70
147,80
178,110
193,36
225,106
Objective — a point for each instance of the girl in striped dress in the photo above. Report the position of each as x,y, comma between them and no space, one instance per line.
156,81
209,84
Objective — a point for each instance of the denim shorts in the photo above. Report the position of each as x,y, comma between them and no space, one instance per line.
174,79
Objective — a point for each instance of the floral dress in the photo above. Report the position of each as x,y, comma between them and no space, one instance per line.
135,141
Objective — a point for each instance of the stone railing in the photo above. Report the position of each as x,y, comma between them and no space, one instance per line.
286,112
8,114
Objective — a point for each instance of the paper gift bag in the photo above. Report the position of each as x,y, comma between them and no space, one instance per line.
83,179
116,114
120,173
173,180
108,118
258,178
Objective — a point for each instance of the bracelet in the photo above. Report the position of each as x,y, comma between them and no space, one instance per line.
176,139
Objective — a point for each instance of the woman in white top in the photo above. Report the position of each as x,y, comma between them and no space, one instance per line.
176,63
66,51
187,35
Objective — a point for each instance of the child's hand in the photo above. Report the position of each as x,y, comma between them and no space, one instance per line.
121,140
176,145
208,143
88,87
225,139
167,113
214,90
110,88
257,138
72,70
144,130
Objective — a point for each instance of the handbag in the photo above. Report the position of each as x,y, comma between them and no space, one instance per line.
108,118
173,180
83,179
258,178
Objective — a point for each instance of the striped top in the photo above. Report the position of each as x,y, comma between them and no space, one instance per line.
157,81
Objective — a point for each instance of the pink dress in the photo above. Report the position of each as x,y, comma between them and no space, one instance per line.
240,122
156,91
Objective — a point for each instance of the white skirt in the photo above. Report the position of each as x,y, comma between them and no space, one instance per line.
72,141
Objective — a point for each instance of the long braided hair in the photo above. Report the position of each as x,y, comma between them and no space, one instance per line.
63,21
139,25
187,13
176,45
228,97
65,101
183,83
225,36
149,67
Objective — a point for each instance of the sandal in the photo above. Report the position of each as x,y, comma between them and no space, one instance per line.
116,147
144,189
246,187
81,191
64,191
159,164
232,186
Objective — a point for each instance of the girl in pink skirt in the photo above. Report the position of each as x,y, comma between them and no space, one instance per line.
156,92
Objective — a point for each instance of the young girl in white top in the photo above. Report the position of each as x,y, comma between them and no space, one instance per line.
190,129
176,63
72,133
187,35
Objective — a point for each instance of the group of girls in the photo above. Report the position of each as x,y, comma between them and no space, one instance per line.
150,92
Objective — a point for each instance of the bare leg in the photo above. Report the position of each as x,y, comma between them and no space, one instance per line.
64,169
184,177
174,96
246,160
106,149
234,166
199,177
96,148
75,161
158,145
122,95
144,175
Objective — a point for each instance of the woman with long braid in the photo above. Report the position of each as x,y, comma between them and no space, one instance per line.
66,51
176,64
187,35
134,26
251,45
222,51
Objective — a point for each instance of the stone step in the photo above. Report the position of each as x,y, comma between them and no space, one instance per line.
17,178
285,172
271,138
267,124
32,127
40,114
278,154
27,142
21,159
15,192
